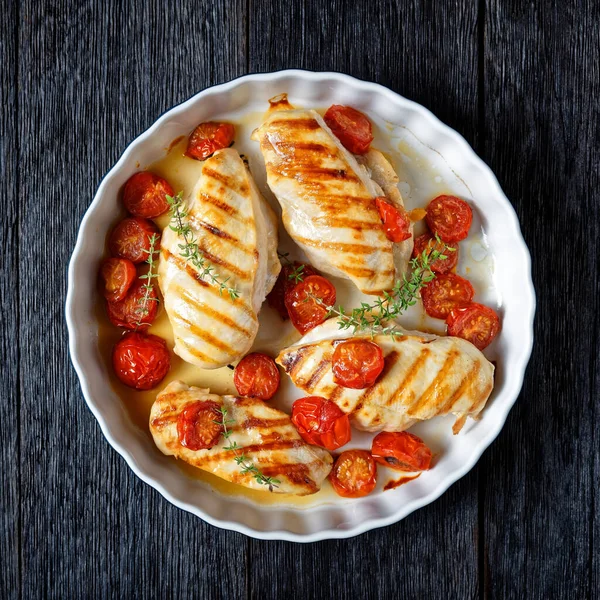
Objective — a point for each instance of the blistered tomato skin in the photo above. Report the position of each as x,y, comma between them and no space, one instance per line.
118,275
306,312
354,474
357,364
449,217
130,239
428,242
396,223
145,195
256,376
276,297
209,137
351,127
132,312
321,422
445,292
402,451
141,361
200,425
475,323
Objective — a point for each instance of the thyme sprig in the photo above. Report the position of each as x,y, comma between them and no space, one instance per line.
297,275
148,288
190,250
373,317
242,460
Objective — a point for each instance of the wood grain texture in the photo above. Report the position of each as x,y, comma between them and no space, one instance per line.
80,80
542,82
391,45
9,302
94,75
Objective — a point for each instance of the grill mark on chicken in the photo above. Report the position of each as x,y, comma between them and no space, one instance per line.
223,206
195,352
183,265
248,450
364,272
217,260
436,388
296,473
229,182
411,374
291,148
463,387
390,360
258,423
217,232
211,312
317,374
340,246
341,223
204,335
308,124
293,361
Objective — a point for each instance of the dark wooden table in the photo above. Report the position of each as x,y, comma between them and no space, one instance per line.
520,80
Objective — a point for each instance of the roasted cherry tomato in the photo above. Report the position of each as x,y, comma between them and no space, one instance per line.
321,422
276,298
351,127
132,312
475,323
200,425
131,239
118,275
145,195
428,242
305,312
445,292
256,376
395,222
449,217
401,450
141,361
209,137
354,474
357,364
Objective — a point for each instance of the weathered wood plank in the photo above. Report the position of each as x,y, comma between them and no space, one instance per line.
542,81
9,302
428,53
94,75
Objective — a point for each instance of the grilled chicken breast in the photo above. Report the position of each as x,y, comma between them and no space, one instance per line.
424,376
236,231
265,435
327,197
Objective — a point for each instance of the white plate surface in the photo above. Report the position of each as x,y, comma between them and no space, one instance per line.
430,158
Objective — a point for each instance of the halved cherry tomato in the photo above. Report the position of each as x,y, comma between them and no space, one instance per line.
321,422
395,222
132,312
357,364
118,275
209,137
445,292
305,312
256,376
401,450
276,297
145,195
131,239
354,474
141,361
449,217
200,425
351,127
427,241
475,323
